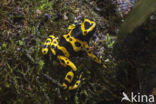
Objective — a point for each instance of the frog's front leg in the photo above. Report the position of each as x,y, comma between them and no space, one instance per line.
47,44
90,54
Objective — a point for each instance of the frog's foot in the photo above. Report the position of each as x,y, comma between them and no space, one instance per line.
90,54
68,79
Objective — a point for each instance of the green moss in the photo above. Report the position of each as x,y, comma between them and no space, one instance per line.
23,68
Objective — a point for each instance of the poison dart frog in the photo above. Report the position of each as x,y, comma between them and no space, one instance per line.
70,45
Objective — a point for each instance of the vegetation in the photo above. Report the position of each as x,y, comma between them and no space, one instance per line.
26,76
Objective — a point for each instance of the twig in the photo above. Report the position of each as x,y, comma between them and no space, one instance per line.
53,80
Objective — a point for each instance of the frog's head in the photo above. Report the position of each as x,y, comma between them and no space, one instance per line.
88,27
83,31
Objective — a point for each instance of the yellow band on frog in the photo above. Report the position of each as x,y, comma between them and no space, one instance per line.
86,31
76,44
66,62
64,85
69,76
55,44
46,46
91,55
75,86
71,27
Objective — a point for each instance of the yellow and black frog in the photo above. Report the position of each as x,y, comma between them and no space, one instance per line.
70,45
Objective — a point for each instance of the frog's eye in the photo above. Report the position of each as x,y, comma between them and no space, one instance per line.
44,51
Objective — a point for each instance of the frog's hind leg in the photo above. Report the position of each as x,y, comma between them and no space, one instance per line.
70,75
68,79
76,84
64,61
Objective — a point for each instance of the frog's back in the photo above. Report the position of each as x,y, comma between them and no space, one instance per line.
69,47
